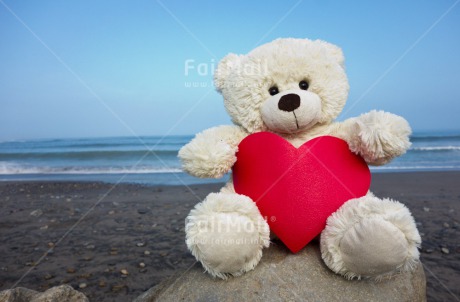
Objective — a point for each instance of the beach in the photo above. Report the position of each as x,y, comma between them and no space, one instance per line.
113,242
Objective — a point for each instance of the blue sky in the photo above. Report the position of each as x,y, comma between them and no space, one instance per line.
116,68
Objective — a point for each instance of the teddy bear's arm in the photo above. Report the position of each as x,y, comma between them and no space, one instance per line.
377,136
212,152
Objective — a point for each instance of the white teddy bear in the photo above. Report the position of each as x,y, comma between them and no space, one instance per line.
295,88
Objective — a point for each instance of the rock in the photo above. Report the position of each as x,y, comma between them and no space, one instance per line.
142,265
117,287
82,285
445,250
54,294
146,253
36,213
85,276
283,276
142,211
18,294
124,272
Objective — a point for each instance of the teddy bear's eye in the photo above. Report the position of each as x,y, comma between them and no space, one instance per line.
303,85
273,90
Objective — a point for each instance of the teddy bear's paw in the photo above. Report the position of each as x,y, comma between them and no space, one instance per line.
370,238
226,233
211,154
381,137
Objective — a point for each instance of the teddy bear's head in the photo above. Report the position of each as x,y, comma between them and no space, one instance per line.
285,86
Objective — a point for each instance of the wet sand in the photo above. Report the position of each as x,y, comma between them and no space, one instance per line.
113,243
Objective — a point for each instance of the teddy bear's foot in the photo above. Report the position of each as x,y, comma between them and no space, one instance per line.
227,234
370,238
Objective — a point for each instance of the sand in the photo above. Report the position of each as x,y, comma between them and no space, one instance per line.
113,243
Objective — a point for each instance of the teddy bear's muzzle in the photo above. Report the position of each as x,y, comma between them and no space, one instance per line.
291,111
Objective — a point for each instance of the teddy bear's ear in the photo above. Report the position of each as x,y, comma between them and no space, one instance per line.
224,68
335,52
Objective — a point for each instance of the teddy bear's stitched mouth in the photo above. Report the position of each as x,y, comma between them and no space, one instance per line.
296,121
307,126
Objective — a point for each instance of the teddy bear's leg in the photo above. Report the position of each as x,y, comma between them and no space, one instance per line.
370,237
227,233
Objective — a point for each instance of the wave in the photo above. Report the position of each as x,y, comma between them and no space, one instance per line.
11,169
142,141
436,148
457,167
82,155
148,144
423,138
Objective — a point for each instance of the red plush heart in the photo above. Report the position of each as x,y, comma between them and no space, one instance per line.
297,189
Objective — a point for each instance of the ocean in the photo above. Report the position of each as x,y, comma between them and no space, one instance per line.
153,160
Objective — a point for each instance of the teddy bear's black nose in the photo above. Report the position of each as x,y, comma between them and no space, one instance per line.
289,102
